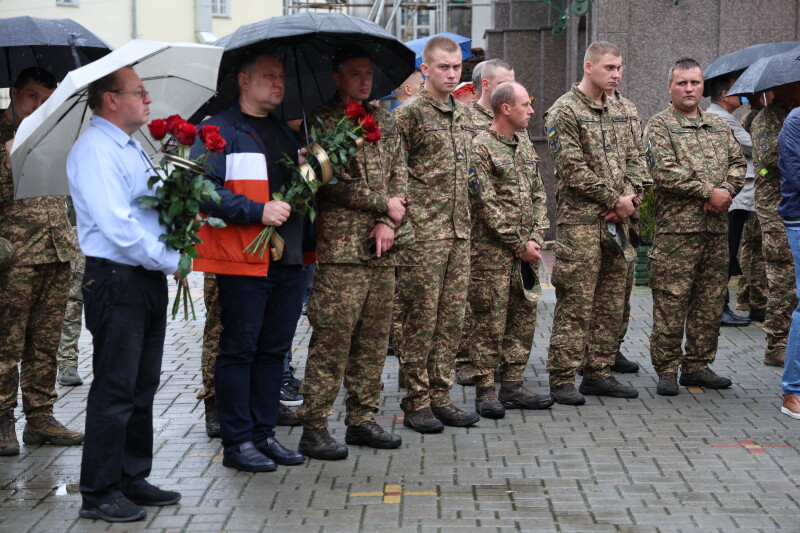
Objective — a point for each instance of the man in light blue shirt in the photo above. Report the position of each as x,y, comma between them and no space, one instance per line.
125,300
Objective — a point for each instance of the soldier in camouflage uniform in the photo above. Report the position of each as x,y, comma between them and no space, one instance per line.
509,208
33,292
781,294
434,272
591,151
67,354
491,73
697,166
350,309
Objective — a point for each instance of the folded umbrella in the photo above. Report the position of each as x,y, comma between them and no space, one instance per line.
179,77
306,42
417,45
736,62
768,72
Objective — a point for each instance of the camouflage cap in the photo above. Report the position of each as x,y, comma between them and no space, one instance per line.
528,276
616,242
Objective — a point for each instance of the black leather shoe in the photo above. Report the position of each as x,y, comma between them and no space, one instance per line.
450,415
704,378
372,435
247,458
758,315
279,453
607,387
119,510
667,384
423,421
731,319
144,493
623,365
318,444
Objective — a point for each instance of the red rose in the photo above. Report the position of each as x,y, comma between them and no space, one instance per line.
172,121
205,131
185,133
354,110
213,141
158,129
368,123
373,136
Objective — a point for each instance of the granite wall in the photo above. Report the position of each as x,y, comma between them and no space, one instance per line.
652,34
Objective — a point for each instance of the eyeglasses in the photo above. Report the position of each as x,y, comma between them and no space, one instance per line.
143,94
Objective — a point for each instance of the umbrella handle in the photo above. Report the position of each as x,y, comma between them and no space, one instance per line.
300,91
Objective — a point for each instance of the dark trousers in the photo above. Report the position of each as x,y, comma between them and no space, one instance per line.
259,317
736,220
126,312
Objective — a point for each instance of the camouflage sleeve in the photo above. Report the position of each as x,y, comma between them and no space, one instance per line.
563,134
766,148
539,198
668,175
6,183
636,174
398,176
486,207
737,166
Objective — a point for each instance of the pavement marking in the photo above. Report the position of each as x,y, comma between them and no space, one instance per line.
217,455
392,494
750,446
695,390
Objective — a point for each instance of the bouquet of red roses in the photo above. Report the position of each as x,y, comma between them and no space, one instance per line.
328,153
182,187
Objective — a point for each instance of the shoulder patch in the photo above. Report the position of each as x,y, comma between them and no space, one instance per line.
648,154
764,143
474,184
553,140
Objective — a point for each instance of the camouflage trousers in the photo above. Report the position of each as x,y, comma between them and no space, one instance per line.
32,303
753,281
350,311
588,280
782,295
67,354
463,360
626,309
503,324
688,273
211,332
432,284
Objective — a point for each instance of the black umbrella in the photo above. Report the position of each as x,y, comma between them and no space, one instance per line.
734,63
56,45
306,42
769,72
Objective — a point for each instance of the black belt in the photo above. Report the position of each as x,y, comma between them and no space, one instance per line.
138,268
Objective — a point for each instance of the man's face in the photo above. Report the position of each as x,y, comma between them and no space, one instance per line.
499,76
443,72
263,85
414,83
686,89
132,111
520,113
354,79
605,73
29,98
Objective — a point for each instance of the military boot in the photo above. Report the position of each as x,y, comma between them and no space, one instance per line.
774,355
566,394
318,444
667,384
623,365
515,395
9,445
46,429
704,378
212,419
68,376
487,404
607,387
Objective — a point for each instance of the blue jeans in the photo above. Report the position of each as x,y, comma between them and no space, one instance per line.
790,383
259,317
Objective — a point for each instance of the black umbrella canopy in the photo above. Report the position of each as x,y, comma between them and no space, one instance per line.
768,73
56,45
734,63
306,42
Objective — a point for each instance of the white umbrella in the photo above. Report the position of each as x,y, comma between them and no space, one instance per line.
179,76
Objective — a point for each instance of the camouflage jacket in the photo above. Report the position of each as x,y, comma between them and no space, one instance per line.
349,209
438,140
747,121
508,200
636,160
689,160
481,117
764,131
38,228
591,149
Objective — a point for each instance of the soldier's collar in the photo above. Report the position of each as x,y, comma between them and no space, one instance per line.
479,108
583,97
502,138
685,122
441,106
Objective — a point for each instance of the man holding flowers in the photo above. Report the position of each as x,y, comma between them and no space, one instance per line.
260,300
351,306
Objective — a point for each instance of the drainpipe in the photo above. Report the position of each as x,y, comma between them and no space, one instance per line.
134,26
202,22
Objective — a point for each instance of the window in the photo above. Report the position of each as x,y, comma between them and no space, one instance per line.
220,8
72,3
